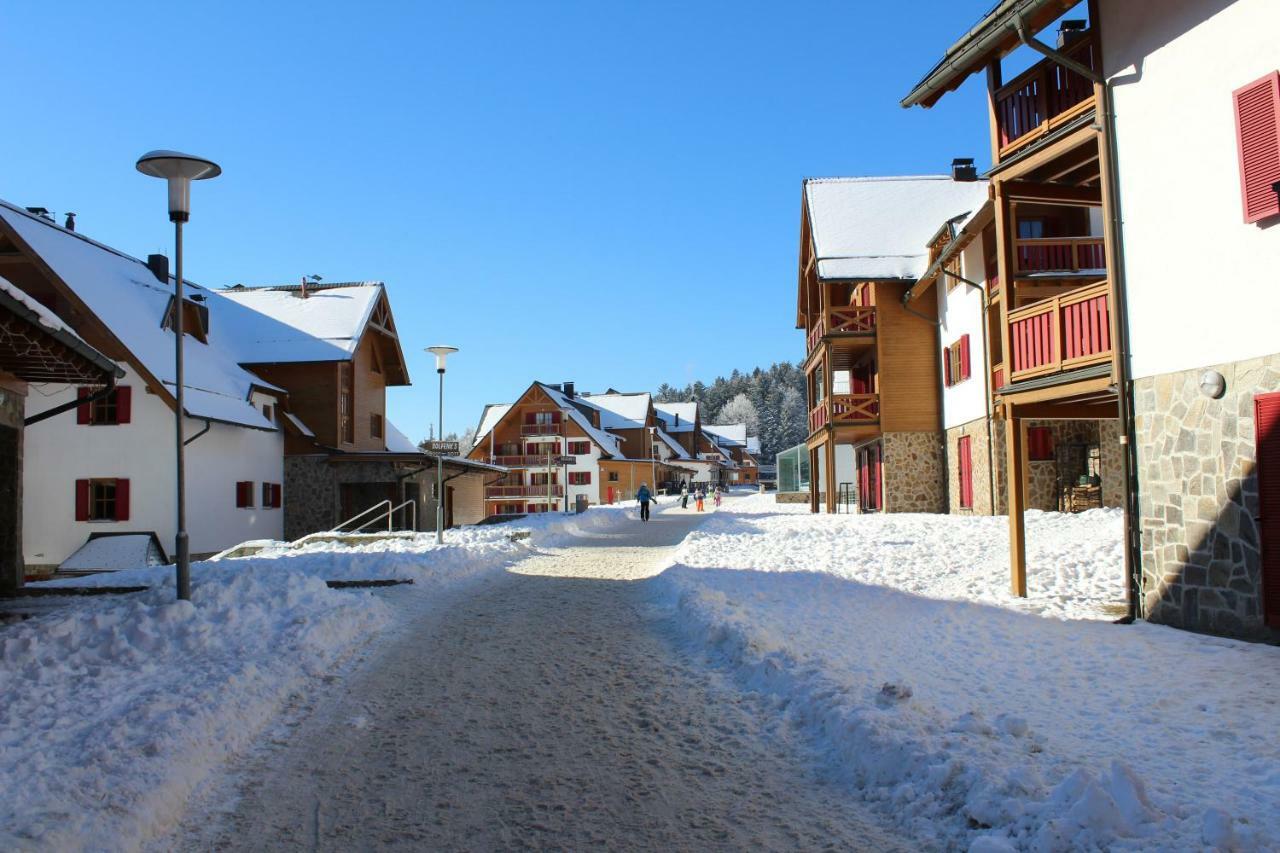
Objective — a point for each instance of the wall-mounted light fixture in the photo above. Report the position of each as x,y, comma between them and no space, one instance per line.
1213,384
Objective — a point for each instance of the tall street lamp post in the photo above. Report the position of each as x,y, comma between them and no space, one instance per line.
653,456
179,170
441,353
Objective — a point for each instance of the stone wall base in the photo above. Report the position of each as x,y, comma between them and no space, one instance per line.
1198,497
980,452
913,472
793,497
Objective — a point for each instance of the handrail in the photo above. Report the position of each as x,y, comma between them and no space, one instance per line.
1061,332
1052,254
390,514
1043,97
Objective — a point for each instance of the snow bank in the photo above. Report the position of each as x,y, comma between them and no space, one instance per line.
981,726
113,708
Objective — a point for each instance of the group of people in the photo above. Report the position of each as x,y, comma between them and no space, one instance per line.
644,497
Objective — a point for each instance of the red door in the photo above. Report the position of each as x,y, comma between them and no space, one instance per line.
1267,424
869,477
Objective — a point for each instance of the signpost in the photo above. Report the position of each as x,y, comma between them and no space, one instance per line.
444,448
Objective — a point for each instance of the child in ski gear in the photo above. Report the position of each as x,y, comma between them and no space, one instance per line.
699,498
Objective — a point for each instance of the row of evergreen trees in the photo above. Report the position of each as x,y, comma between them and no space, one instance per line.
770,402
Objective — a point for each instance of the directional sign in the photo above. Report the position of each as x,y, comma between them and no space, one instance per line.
444,448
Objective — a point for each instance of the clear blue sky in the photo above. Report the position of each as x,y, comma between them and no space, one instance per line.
562,190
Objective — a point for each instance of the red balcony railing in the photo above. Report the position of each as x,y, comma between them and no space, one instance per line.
498,492
1067,331
997,377
845,410
1043,97
815,334
540,429
524,461
1059,254
849,320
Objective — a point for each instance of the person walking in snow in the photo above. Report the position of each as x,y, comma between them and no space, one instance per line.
644,496
699,497
684,495
717,497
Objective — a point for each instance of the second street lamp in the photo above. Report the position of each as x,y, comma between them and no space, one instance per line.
179,170
441,353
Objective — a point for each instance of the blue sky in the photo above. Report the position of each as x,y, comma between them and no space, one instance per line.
602,192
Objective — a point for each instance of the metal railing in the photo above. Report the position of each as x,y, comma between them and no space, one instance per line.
388,513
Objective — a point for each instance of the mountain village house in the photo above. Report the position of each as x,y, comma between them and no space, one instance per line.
563,449
269,375
1083,175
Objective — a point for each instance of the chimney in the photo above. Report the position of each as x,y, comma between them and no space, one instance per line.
1070,31
677,419
159,266
567,388
962,169
70,224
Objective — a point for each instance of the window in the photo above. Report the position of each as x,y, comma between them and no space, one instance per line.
1039,444
268,412
657,451
346,404
244,494
195,319
102,499
536,479
579,478
375,425
113,409
953,267
270,495
613,476
1030,229
1257,108
956,361
964,455
579,448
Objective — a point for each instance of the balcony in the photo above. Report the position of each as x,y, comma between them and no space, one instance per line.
535,461
499,492
845,410
540,429
997,377
849,320
1043,98
1047,255
1065,332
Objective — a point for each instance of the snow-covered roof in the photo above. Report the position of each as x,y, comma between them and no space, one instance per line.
297,422
20,303
610,443
128,299
877,228
687,412
493,413
398,442
676,447
281,326
753,444
728,434
620,411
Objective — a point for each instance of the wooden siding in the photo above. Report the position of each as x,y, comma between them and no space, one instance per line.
313,397
907,355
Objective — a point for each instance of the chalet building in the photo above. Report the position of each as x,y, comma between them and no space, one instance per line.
36,348
334,349
105,464
616,442
710,463
872,359
1052,285
740,449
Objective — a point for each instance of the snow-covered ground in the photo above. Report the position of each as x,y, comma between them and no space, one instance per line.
974,718
113,708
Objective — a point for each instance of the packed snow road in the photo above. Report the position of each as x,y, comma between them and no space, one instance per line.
548,707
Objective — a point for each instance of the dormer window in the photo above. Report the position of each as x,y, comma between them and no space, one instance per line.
195,319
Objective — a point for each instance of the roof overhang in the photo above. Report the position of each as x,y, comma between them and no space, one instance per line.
48,354
993,37
971,229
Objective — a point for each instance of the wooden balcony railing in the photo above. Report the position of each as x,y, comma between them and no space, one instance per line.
845,410
1043,97
540,429
524,461
1067,331
542,491
1059,254
997,377
848,320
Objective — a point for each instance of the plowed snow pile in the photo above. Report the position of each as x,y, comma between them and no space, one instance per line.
976,718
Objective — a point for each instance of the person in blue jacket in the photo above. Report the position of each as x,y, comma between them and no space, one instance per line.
644,496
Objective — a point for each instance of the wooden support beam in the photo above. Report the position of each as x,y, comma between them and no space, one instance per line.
830,449
1031,163
1030,191
995,80
813,479
9,259
1016,472
1060,392
1074,411
1005,232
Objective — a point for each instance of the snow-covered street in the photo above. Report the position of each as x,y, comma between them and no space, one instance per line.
754,677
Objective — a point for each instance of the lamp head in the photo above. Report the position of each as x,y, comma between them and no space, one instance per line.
179,170
441,353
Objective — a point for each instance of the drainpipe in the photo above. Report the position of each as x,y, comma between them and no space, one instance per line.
1120,325
937,347
66,407
207,424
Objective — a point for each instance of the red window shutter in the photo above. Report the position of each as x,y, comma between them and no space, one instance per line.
586,478
1267,426
82,500
244,494
277,496
964,356
1039,444
946,361
965,454
122,500
266,495
530,417
124,404
82,410
1257,108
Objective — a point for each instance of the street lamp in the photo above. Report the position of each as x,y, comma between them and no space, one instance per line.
653,456
441,353
179,170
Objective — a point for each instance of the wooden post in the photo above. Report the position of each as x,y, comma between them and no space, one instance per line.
994,82
1016,472
1005,232
813,480
830,449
